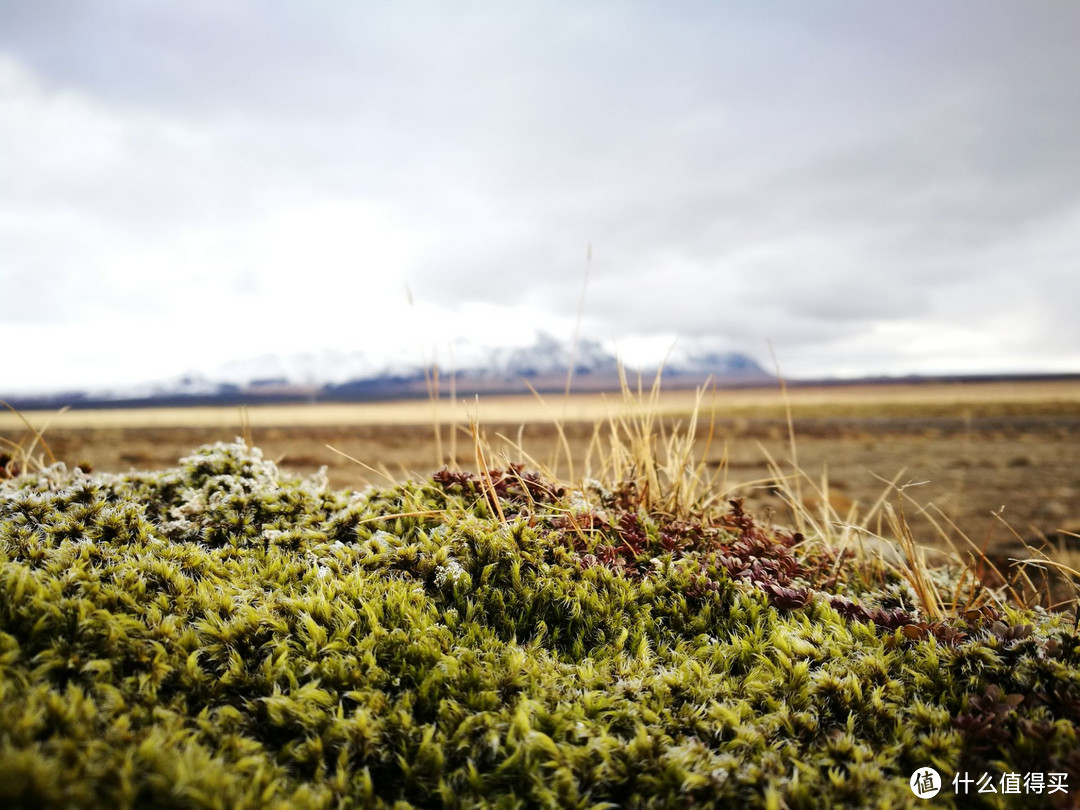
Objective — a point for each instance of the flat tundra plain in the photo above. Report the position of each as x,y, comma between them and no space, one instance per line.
993,460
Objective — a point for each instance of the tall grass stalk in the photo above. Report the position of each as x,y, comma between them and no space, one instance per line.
482,466
25,455
792,444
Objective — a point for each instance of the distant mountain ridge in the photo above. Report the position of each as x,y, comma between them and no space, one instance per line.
334,375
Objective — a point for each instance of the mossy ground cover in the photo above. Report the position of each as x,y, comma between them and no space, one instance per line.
221,635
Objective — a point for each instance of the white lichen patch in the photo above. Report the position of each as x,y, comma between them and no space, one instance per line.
450,574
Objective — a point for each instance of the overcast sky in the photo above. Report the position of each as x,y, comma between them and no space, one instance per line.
872,187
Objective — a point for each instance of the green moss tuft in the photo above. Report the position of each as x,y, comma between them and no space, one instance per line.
220,635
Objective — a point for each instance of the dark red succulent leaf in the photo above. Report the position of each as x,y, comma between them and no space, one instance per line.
786,598
513,485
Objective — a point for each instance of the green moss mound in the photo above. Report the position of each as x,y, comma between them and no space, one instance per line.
222,636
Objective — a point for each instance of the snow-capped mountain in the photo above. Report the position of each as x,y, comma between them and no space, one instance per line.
479,368
547,356
476,368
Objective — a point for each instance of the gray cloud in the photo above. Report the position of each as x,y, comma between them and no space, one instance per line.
809,174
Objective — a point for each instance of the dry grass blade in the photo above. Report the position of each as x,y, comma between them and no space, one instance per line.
396,515
658,462
876,511
638,424
792,444
1041,560
563,445
431,381
517,446
834,532
453,462
915,570
1021,579
684,475
382,473
27,455
245,427
977,565
482,464
1072,574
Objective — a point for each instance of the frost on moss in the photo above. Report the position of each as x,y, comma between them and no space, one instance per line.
221,635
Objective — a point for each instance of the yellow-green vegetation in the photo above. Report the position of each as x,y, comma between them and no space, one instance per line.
219,635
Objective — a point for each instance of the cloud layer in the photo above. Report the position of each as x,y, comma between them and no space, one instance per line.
873,189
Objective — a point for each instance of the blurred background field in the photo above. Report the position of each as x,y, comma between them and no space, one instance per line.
969,449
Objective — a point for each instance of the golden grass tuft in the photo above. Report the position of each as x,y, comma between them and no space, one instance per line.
20,458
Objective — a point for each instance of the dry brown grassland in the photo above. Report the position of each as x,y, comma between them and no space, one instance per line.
995,461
